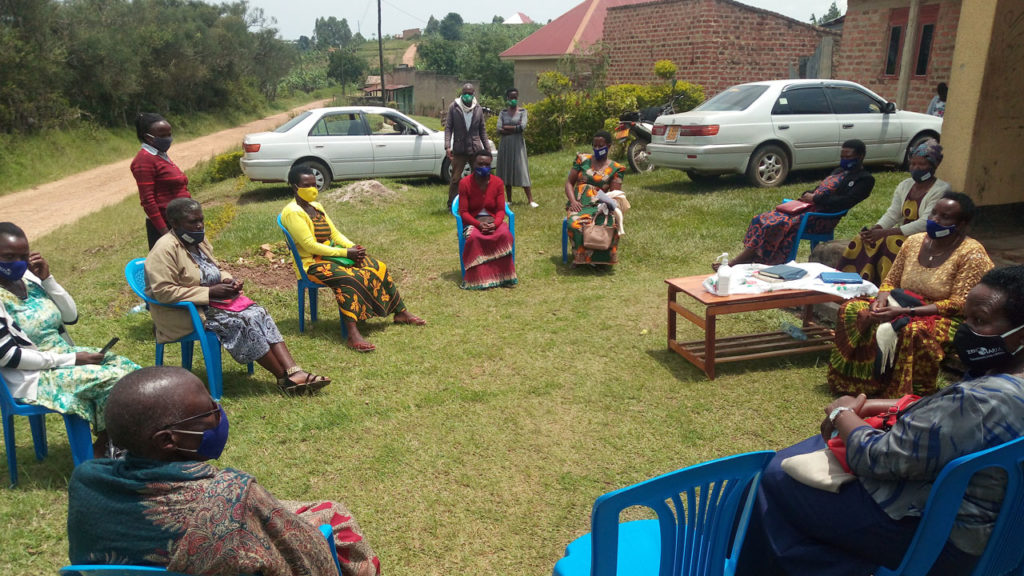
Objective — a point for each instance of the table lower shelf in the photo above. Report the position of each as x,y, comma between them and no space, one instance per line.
756,346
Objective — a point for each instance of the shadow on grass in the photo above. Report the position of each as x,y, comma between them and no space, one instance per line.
275,192
683,370
47,474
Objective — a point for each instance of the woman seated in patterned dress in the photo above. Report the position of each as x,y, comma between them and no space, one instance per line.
892,345
592,175
37,360
181,268
361,284
770,236
872,252
487,255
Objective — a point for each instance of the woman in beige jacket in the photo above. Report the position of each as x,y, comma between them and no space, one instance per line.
181,268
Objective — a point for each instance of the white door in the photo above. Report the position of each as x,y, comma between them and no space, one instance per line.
398,147
344,141
803,117
860,116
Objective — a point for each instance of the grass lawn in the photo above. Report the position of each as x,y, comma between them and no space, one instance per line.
476,444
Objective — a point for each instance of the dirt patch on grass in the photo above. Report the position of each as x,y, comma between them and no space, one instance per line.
370,191
276,273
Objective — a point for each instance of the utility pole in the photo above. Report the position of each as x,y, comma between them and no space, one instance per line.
380,55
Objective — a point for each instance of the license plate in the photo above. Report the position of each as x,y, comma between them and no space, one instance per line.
673,133
620,134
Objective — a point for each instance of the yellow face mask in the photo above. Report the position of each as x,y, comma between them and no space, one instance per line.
308,194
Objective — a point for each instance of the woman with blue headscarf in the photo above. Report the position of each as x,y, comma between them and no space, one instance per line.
872,252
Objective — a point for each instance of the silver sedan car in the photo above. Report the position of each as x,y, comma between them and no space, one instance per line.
345,143
767,129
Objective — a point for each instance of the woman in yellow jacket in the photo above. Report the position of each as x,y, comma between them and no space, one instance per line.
362,285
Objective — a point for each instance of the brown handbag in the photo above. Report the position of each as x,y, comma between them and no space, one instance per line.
598,237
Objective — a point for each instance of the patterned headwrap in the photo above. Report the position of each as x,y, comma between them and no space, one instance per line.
931,151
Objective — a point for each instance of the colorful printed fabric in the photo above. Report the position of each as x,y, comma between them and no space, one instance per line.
873,260
773,233
191,517
80,390
488,259
246,334
362,292
588,184
923,342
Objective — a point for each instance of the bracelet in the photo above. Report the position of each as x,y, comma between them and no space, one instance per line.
835,414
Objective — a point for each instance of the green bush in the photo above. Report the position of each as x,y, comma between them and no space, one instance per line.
572,118
226,166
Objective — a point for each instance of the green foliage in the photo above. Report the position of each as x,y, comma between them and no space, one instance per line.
586,67
832,14
108,59
665,69
475,55
450,27
346,66
331,33
571,117
312,73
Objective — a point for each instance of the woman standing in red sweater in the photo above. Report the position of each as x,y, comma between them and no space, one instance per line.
487,257
159,180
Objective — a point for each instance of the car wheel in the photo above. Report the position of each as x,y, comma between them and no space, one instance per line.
446,170
637,156
768,167
322,174
700,177
917,141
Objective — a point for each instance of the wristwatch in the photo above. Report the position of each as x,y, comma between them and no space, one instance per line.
835,413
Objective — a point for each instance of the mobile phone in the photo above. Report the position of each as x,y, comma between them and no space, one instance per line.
109,345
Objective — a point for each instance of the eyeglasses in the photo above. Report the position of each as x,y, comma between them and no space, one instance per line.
216,411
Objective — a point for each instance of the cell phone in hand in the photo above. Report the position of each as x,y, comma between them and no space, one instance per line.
109,345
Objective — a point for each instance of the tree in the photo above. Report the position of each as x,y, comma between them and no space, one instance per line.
433,27
304,43
498,20
345,66
451,27
331,32
832,14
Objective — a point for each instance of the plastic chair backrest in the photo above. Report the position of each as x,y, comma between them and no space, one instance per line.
125,570
1004,552
296,258
510,217
695,532
135,274
814,239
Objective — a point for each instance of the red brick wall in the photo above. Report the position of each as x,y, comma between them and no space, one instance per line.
865,42
715,43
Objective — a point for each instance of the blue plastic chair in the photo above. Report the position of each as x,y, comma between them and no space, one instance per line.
1004,553
511,218
565,241
693,539
79,434
814,239
304,284
127,570
135,274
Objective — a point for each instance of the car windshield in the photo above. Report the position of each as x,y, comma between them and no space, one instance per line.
289,124
733,99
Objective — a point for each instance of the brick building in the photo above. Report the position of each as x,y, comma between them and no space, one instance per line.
715,43
874,34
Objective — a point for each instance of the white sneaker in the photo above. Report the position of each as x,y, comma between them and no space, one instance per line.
534,205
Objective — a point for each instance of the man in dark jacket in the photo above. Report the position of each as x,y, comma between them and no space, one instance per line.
464,135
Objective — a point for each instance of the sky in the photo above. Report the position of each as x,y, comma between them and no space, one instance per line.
296,17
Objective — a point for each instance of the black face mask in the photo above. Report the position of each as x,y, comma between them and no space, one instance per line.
191,237
983,352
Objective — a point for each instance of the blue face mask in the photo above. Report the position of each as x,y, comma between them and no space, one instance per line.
601,153
214,439
13,271
936,230
191,238
162,144
483,172
848,163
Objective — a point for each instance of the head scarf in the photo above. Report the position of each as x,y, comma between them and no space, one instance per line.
931,151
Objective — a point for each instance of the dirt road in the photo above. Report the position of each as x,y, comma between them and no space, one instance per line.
46,207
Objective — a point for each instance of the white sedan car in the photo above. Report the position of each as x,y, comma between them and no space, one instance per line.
345,143
767,129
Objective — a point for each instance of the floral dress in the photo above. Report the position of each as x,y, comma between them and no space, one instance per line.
588,184
68,389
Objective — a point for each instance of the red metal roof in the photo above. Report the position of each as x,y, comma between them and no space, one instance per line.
577,28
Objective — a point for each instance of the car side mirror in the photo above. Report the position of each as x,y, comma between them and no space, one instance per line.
889,108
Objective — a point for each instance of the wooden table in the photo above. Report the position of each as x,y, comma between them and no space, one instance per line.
705,354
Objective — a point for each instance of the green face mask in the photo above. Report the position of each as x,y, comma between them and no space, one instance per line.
512,102
467,99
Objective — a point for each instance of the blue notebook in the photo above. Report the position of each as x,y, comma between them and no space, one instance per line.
841,278
783,272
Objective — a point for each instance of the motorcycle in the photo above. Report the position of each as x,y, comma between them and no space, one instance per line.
639,124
